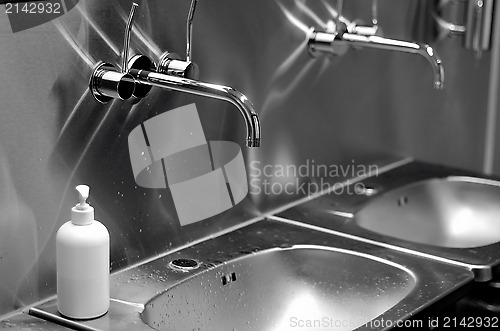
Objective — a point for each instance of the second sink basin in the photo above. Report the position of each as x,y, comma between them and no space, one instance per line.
454,212
430,210
284,289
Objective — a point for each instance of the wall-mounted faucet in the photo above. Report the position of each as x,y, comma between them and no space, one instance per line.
344,33
138,75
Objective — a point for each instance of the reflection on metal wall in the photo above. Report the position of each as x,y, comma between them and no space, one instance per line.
344,114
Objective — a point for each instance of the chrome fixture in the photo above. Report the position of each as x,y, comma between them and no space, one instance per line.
171,63
137,76
343,33
477,27
238,99
326,42
175,75
108,82
184,265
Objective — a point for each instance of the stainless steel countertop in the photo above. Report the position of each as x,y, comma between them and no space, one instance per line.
437,284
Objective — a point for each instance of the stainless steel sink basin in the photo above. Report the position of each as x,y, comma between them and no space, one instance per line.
419,208
274,275
454,212
282,289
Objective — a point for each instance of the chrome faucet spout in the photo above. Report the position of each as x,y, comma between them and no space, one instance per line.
400,46
226,93
335,43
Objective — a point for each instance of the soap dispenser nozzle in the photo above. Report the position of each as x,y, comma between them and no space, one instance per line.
83,194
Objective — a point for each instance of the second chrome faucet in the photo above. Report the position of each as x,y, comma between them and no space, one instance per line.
343,33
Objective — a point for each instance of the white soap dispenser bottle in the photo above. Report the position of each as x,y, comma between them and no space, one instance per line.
82,249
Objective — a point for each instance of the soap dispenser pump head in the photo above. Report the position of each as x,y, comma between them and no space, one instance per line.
83,194
82,213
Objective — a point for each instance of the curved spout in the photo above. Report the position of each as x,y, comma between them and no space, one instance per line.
324,41
401,46
236,98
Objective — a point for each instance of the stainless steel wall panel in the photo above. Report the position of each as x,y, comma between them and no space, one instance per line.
367,107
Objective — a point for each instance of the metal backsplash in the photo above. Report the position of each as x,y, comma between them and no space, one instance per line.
366,108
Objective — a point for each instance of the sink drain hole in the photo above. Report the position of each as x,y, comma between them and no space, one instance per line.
229,278
184,264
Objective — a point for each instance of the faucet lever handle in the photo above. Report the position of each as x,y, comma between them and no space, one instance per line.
340,4
375,12
171,63
108,82
359,28
126,39
137,62
189,29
